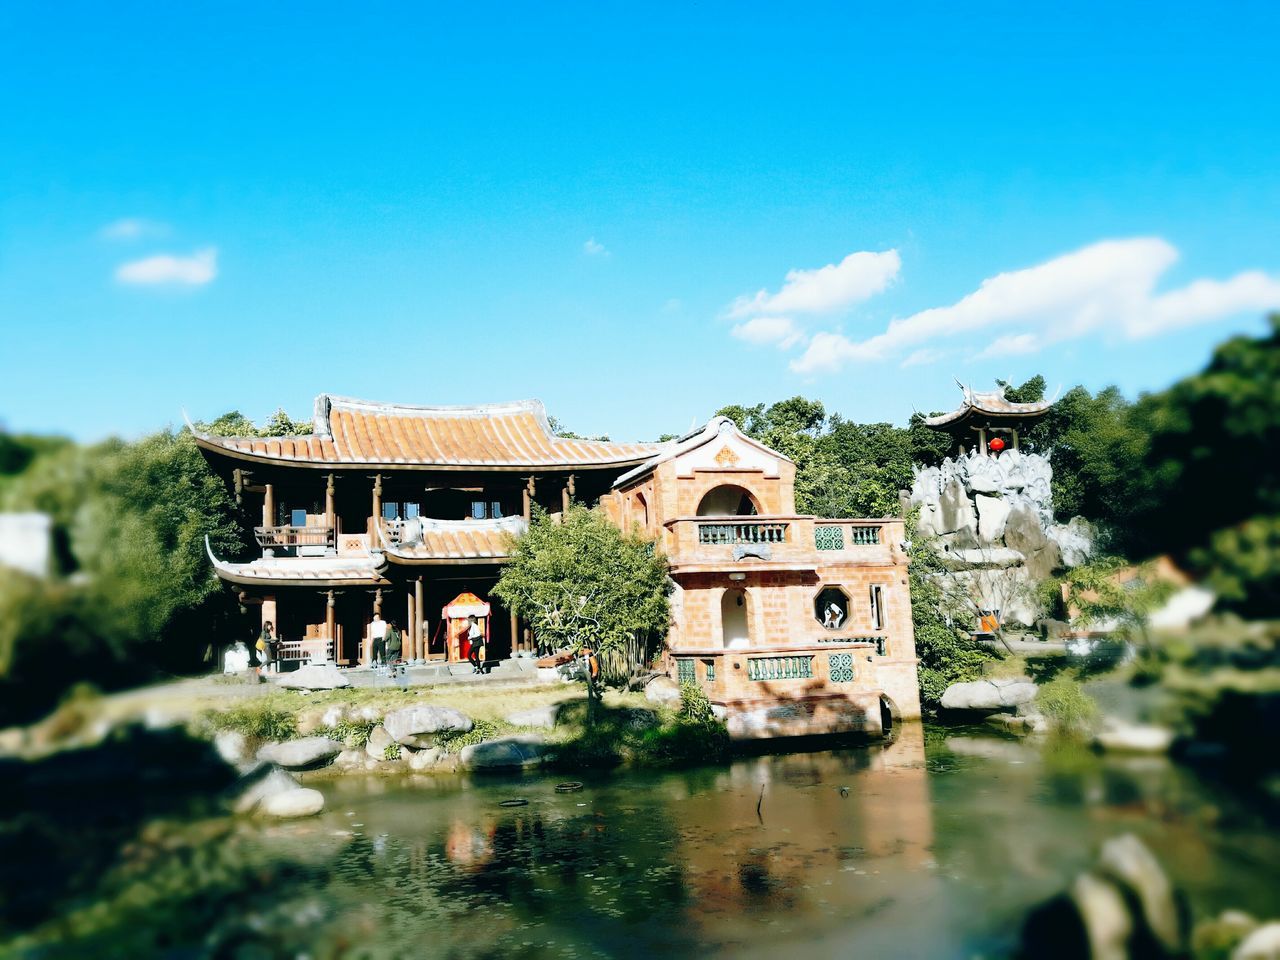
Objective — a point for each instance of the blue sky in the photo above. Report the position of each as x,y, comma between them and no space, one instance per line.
623,210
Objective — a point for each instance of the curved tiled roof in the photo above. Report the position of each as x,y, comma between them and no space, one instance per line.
991,404
313,571
457,541
488,436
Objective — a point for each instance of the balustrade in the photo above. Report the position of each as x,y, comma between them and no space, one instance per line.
742,532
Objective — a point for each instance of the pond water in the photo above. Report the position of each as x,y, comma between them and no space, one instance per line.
930,846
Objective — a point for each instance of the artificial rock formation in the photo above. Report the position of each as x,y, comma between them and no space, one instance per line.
993,519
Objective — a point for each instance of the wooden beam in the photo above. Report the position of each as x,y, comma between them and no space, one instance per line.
418,653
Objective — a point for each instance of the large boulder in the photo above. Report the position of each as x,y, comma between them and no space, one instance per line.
423,722
301,754
379,740
262,781
1262,944
1118,737
517,751
1127,862
993,512
292,804
1024,532
989,695
232,746
663,690
955,509
313,676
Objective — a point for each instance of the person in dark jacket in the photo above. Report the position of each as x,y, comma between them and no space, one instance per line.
394,642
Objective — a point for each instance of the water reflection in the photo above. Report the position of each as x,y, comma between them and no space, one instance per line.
924,847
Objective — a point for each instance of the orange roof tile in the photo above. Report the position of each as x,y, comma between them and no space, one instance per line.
493,436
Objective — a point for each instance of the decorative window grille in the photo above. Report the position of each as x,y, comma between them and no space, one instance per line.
710,670
840,667
685,672
780,668
864,536
828,538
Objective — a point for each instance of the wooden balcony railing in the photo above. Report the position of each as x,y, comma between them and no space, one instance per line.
739,532
287,537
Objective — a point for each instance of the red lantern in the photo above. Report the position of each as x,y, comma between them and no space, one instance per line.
996,445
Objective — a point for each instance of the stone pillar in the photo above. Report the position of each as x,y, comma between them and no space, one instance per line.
330,629
269,614
566,496
367,658
982,440
1015,438
269,506
418,652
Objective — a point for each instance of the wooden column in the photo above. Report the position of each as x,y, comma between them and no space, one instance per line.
328,503
418,652
377,507
515,633
329,627
529,490
411,615
269,506
982,440
377,612
566,496
1015,438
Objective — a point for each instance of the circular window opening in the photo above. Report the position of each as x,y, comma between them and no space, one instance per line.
831,608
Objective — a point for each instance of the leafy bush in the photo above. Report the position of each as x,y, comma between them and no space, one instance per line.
260,721
352,733
1066,705
391,751
695,707
453,741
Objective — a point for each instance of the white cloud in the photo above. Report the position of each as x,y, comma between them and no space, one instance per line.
196,270
133,228
857,277
1107,286
923,357
594,248
779,331
1011,345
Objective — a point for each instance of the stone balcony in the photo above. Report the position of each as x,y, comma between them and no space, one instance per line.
786,542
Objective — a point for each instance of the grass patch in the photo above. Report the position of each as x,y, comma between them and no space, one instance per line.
258,720
1069,709
453,741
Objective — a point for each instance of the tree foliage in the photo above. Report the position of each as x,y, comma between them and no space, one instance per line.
584,584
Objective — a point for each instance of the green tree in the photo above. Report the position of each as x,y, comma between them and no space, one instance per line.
583,584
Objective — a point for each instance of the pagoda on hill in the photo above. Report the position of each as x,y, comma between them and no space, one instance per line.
981,418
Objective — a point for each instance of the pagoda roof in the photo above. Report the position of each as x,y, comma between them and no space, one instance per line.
308,571
457,541
989,407
495,436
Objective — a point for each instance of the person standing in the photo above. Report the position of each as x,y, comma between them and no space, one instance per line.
475,639
393,643
266,647
378,639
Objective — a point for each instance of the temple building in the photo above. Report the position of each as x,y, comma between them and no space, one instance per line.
983,418
794,624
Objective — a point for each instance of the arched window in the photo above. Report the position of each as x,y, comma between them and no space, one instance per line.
640,511
728,500
734,620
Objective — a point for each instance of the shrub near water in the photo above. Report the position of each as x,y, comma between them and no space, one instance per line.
1068,707
256,720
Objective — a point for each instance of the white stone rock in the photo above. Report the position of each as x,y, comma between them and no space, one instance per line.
254,787
424,759
1261,944
301,754
1126,860
989,695
992,514
313,676
232,746
416,721
379,740
663,690
1134,738
292,804
1106,919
